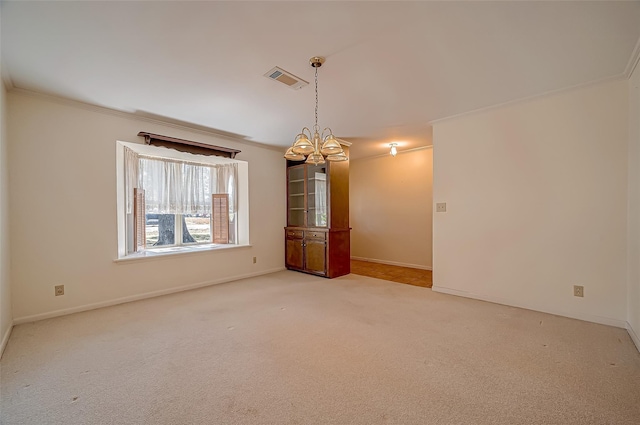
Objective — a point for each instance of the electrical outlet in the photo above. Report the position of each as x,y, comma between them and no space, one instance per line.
59,290
255,260
441,207
578,291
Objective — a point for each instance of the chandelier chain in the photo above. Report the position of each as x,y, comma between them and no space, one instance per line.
316,128
316,147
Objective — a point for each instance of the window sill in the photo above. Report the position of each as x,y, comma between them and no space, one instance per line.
158,253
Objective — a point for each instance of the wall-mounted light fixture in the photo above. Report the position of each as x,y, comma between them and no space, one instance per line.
393,151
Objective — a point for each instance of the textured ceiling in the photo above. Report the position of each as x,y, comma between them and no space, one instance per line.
391,68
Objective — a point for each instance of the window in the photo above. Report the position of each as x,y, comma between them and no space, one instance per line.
180,200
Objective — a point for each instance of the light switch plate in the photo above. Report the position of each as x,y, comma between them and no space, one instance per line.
441,207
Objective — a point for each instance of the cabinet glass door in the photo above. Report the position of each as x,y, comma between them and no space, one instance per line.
316,196
296,196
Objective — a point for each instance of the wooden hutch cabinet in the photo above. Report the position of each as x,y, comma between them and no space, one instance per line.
317,237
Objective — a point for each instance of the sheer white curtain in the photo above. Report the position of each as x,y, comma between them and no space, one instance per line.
226,176
162,183
131,174
174,187
196,190
226,181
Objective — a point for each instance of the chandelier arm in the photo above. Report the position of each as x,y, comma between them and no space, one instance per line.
308,131
330,132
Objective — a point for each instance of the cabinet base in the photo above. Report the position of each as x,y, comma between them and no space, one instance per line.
319,274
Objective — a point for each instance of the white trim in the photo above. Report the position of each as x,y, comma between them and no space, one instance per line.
5,339
7,80
498,300
138,116
633,335
163,253
633,60
546,94
419,148
392,263
93,306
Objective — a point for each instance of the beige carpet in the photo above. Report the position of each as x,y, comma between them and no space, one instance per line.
290,348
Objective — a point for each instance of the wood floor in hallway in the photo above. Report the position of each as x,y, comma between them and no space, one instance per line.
408,275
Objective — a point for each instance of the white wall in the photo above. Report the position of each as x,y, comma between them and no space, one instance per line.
536,197
63,211
6,314
633,255
390,208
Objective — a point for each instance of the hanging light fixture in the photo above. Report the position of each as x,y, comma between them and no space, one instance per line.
317,147
393,151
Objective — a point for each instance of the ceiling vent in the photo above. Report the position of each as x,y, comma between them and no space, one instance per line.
286,78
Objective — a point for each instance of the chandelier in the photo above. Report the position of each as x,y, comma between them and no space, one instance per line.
318,146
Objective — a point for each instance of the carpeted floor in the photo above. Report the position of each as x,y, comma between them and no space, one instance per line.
290,348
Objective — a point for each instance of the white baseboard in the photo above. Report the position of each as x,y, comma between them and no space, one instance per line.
93,306
5,339
633,335
498,300
393,263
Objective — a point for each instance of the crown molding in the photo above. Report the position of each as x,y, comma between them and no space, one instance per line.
6,78
143,116
343,142
550,93
633,60
421,148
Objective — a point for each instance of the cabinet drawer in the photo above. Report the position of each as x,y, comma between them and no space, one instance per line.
294,234
315,235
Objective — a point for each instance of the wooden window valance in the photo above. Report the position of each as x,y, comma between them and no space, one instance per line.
187,145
